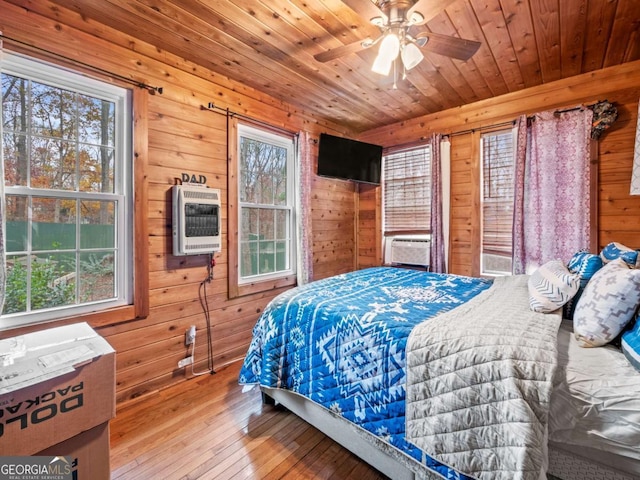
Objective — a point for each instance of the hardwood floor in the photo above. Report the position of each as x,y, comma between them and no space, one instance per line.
207,428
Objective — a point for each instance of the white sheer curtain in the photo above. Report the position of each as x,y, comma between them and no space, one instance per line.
303,210
445,165
553,187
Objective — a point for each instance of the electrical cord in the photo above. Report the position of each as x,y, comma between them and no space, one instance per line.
193,354
204,303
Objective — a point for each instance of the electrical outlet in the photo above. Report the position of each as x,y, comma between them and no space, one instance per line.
190,335
185,361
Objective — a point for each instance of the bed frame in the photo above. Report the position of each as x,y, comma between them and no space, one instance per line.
397,465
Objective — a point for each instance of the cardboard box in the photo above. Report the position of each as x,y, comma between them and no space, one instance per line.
88,453
55,384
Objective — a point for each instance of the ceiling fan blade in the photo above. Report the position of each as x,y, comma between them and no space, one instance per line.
449,46
337,52
365,8
428,9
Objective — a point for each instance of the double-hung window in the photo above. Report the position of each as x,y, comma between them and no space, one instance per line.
66,153
407,190
266,233
498,169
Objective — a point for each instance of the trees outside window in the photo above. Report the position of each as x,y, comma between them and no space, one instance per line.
266,204
65,148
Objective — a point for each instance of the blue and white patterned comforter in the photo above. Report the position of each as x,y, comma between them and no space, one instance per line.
341,342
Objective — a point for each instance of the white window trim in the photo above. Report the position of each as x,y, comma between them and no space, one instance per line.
254,133
35,70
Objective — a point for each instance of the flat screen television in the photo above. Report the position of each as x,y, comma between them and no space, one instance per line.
349,159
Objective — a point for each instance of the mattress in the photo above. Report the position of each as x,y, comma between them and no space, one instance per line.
595,404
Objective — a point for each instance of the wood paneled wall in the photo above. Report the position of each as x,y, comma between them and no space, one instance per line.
333,215
184,137
618,211
369,231
464,234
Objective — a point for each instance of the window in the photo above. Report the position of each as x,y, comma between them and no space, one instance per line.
498,163
66,156
407,190
266,240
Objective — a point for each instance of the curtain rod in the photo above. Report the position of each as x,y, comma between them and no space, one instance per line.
212,107
486,127
152,90
513,122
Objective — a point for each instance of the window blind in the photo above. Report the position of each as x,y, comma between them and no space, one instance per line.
407,190
498,192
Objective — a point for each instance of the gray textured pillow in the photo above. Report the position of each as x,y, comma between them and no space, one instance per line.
607,304
551,286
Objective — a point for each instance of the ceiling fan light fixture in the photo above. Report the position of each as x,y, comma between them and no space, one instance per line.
411,55
388,52
381,66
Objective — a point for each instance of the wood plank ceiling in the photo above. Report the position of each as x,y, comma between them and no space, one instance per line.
269,45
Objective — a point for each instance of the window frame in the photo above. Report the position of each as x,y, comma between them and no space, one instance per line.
131,108
237,285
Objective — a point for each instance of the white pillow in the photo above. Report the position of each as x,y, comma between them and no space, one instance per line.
607,304
551,286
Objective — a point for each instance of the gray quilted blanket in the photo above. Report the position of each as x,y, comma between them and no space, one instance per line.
479,382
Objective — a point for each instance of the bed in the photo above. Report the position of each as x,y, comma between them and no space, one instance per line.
374,359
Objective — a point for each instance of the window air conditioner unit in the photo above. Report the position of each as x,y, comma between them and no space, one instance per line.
410,251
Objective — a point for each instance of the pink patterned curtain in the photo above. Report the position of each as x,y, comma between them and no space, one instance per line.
437,232
552,214
304,166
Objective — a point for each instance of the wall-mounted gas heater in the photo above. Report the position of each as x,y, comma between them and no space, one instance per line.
196,220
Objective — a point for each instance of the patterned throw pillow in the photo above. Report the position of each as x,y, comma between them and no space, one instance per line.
617,250
631,344
607,304
585,265
551,286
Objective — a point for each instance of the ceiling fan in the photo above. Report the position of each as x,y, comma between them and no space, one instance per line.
398,20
